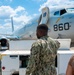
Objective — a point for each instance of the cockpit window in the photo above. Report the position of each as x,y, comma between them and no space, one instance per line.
56,13
63,11
60,12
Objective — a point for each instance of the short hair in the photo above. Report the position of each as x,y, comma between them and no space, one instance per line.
43,27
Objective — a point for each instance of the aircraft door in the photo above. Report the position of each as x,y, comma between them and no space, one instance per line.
44,17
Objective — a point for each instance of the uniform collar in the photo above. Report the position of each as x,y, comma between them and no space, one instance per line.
44,37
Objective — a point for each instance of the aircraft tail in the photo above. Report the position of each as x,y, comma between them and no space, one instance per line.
12,24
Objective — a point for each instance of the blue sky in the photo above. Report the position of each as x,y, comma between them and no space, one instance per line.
31,6
24,10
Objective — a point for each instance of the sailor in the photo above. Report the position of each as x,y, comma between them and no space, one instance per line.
43,53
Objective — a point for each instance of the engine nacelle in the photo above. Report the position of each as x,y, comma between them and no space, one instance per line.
4,44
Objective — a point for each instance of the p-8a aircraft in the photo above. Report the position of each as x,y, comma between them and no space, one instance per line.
60,23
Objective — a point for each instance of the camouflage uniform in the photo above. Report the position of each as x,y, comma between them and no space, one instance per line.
42,58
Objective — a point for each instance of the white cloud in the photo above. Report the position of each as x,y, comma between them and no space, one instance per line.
22,18
7,25
19,14
6,11
19,8
1,27
57,3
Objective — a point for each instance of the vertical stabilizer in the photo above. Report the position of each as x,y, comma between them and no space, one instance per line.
12,24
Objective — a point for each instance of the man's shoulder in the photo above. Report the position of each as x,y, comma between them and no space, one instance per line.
51,39
38,42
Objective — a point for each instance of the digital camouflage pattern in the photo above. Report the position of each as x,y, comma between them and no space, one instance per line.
42,58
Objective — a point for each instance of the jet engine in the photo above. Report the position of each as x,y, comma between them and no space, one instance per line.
4,44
